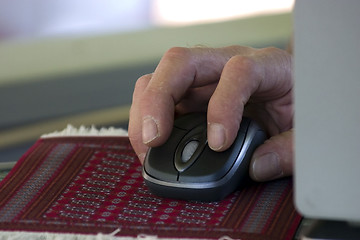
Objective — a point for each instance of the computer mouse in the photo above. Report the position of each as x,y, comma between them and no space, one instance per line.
186,168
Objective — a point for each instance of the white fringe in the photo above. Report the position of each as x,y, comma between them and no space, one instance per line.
86,131
9,235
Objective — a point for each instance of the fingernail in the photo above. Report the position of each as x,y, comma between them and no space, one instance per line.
267,167
216,136
150,129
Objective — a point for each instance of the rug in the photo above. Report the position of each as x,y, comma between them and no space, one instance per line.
90,186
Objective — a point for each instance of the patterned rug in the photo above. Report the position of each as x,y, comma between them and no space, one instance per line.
93,186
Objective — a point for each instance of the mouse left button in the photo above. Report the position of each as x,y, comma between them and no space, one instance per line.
159,162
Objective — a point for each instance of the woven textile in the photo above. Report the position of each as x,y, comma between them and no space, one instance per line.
93,185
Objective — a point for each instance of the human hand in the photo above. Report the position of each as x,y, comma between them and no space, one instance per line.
227,83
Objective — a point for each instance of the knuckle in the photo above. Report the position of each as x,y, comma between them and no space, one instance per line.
244,69
243,63
144,78
177,53
143,81
280,56
139,88
238,49
270,50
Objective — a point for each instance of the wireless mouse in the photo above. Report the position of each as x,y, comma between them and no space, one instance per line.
186,168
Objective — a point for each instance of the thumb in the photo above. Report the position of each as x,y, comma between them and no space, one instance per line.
273,159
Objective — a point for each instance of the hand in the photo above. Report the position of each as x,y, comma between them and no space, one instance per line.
227,83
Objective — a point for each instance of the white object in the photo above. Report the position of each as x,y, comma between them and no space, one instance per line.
327,112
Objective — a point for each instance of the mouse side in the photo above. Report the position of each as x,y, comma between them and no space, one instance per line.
186,168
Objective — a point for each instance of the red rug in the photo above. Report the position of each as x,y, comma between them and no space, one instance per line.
92,185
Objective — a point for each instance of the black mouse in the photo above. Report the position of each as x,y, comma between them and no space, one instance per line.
186,168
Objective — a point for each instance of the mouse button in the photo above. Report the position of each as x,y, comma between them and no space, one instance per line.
212,166
208,168
159,162
189,121
161,170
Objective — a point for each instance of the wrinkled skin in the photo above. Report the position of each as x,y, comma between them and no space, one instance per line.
227,83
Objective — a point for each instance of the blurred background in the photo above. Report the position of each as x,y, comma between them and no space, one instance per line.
76,61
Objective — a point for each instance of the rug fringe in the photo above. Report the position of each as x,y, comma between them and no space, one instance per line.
10,235
70,130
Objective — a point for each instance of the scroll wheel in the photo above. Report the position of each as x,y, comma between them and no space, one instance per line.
189,150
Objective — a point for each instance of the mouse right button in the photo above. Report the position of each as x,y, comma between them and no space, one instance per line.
213,166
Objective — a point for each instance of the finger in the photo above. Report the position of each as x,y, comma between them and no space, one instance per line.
179,70
273,159
237,83
135,123
264,76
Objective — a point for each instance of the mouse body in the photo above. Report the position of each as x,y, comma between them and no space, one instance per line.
186,168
